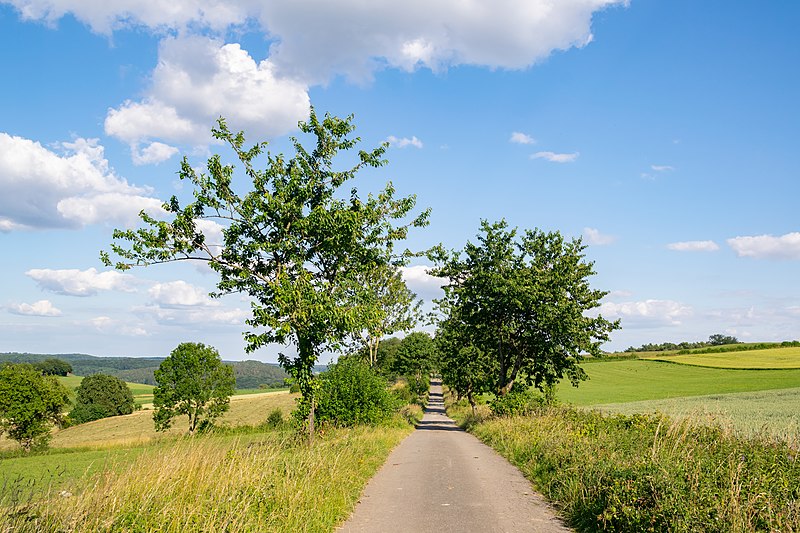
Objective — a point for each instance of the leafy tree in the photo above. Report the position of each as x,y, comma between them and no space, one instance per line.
192,381
30,404
53,367
465,368
719,339
523,302
100,396
392,307
351,392
416,355
295,244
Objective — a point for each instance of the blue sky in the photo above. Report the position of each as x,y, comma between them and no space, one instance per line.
663,133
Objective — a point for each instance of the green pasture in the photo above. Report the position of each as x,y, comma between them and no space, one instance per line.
774,414
774,358
631,380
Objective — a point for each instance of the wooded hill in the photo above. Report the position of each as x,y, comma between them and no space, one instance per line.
249,374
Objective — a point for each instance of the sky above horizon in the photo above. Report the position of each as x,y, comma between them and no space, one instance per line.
665,134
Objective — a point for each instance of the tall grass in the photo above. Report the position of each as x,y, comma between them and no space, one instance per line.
270,481
648,473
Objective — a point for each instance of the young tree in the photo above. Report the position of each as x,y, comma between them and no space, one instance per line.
192,381
390,307
100,396
416,355
30,404
295,244
525,302
465,368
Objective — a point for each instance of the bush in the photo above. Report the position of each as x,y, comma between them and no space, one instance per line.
518,401
275,418
100,396
350,393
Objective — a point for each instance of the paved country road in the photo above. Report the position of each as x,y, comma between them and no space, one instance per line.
442,479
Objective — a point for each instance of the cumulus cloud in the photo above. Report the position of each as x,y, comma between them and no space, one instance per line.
694,246
646,313
40,308
521,138
767,246
73,282
197,80
556,158
420,281
404,141
179,294
69,187
593,236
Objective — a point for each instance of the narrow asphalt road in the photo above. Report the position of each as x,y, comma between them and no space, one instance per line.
442,479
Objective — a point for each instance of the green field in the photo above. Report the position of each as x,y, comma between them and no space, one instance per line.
775,358
631,380
774,414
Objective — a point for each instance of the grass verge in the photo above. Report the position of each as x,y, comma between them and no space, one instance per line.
647,473
267,481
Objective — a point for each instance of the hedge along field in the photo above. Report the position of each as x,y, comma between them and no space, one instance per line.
774,415
775,358
138,428
630,380
267,481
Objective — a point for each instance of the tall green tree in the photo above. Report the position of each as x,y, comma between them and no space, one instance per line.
30,404
524,301
100,396
390,307
416,355
53,367
296,244
193,381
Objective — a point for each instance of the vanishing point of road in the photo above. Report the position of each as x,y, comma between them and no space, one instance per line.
442,479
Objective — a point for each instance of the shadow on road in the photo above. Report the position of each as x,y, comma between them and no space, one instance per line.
435,417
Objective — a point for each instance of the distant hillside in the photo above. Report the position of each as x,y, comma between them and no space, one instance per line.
249,374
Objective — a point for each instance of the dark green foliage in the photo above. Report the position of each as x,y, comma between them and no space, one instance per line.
100,396
350,393
719,339
416,355
275,418
524,303
643,473
192,381
518,401
53,367
253,374
30,404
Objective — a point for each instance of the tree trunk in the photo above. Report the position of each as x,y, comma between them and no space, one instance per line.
311,420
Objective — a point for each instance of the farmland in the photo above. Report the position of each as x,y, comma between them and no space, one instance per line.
774,358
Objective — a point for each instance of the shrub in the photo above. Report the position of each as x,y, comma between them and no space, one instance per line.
350,393
275,418
517,401
100,396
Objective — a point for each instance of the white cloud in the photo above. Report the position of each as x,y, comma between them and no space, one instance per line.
694,246
521,138
212,232
647,313
88,282
767,246
419,280
404,141
47,189
179,294
40,308
556,158
316,40
107,324
196,316
153,153
661,168
197,80
593,236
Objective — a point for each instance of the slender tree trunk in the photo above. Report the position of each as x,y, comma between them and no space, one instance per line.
311,419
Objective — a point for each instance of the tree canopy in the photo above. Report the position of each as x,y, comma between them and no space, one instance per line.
53,367
193,381
295,244
520,303
30,404
100,396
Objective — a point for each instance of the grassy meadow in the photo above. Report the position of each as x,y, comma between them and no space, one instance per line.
774,358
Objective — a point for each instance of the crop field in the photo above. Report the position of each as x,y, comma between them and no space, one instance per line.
137,428
773,414
775,358
631,380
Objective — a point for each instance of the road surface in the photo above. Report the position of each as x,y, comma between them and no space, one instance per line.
442,479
